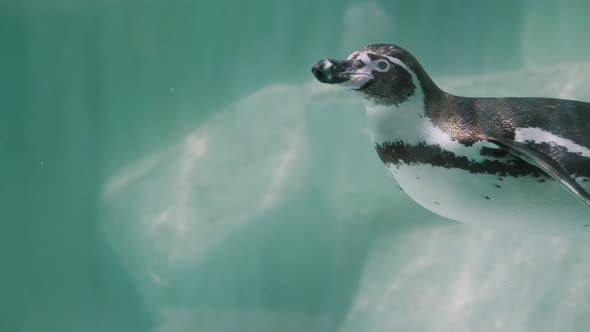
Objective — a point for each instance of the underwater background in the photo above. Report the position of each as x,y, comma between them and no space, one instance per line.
173,166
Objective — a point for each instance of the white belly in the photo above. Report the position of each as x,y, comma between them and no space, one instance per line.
522,202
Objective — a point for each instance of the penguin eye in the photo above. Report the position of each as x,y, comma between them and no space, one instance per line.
382,65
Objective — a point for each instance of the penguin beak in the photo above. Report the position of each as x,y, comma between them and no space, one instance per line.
332,71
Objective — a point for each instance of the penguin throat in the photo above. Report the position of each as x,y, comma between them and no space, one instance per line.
412,105
404,121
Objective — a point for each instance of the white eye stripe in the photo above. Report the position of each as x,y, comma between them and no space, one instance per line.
364,57
397,62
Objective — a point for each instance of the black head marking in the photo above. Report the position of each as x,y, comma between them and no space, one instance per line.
374,57
392,84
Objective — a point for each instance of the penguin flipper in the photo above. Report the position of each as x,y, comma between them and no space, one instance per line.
548,165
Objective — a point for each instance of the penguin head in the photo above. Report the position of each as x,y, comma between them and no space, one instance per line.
383,74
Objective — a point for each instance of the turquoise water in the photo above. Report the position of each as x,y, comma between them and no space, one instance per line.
173,166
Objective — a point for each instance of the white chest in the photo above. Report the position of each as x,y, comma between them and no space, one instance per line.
507,202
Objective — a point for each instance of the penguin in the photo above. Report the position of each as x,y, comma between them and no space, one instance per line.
500,161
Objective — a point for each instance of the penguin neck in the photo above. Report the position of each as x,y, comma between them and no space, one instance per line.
406,122
429,88
409,121
426,92
397,122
